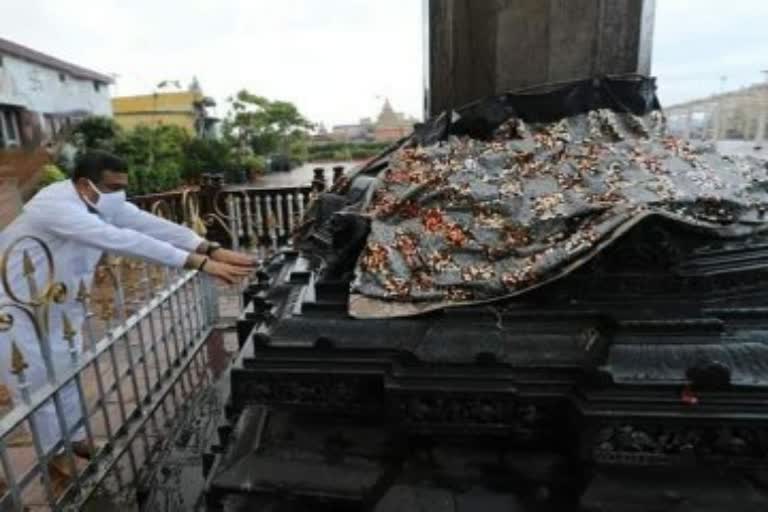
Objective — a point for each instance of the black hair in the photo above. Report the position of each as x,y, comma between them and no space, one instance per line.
92,164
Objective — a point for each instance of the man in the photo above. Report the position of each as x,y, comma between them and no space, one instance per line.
79,220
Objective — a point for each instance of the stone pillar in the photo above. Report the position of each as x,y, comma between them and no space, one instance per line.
717,111
480,48
688,122
762,115
762,118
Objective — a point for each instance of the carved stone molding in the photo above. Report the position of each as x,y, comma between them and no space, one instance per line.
666,444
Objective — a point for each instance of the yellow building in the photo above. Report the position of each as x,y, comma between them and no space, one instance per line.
186,109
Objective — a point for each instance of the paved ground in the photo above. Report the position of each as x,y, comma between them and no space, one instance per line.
743,148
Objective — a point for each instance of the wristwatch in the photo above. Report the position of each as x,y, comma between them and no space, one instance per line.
212,247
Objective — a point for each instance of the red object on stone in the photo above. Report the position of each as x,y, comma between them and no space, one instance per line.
688,397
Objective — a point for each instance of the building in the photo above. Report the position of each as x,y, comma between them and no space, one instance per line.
351,133
185,109
736,115
390,125
40,95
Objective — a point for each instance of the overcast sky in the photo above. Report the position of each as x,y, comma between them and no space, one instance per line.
699,41
336,59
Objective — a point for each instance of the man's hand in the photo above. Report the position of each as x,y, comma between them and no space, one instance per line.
226,272
239,259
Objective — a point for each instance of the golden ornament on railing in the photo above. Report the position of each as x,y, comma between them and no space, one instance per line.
56,292
37,307
191,207
218,217
68,331
82,293
161,208
29,272
18,364
28,268
6,321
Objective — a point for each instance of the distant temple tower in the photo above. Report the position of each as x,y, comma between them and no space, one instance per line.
391,125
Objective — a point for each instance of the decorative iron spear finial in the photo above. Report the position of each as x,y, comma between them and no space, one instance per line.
18,364
68,332
82,293
28,267
57,292
6,321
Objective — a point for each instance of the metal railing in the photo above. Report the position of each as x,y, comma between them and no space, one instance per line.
261,218
142,333
137,355
239,216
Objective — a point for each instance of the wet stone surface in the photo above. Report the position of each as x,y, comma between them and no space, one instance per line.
172,479
176,482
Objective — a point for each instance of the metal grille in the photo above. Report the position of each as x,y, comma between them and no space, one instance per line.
260,218
141,356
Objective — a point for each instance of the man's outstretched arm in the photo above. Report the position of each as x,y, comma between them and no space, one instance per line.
134,218
73,222
180,236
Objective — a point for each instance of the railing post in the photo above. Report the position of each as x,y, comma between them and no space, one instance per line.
300,197
270,216
239,217
281,231
338,174
290,198
318,181
210,190
248,219
232,219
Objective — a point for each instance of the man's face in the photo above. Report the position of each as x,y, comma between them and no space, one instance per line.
111,181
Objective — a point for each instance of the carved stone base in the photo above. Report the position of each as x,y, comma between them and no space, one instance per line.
413,498
627,490
279,456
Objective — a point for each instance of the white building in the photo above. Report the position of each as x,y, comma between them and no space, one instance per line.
40,94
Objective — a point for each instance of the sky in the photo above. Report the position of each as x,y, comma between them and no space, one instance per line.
698,42
337,59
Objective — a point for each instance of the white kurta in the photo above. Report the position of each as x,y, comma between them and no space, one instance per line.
77,239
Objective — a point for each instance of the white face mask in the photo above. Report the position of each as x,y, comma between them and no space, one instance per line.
108,204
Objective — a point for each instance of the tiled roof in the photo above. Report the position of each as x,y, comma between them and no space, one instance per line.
22,52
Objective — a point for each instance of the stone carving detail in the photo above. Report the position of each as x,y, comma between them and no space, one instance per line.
666,444
470,409
350,393
359,394
603,284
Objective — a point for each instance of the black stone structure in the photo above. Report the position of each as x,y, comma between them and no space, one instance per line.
637,383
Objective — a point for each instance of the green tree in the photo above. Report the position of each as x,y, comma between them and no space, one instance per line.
96,133
262,126
155,157
207,155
